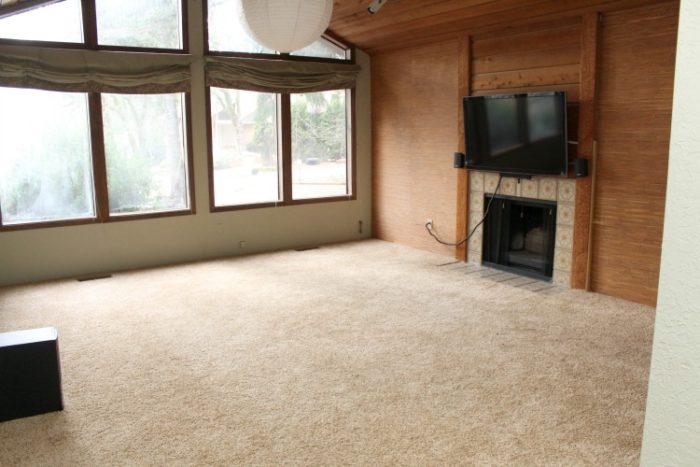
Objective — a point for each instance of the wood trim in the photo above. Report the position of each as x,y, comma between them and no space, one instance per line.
278,57
590,34
205,25
149,215
296,202
463,89
284,127
89,24
328,199
351,182
99,163
185,25
189,147
284,151
243,207
48,224
210,149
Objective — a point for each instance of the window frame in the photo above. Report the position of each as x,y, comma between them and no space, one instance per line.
330,37
284,127
284,144
96,129
99,175
89,23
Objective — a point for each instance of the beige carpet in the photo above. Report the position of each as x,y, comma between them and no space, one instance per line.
366,353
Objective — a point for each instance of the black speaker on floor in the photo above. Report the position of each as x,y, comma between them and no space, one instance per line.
30,373
581,167
459,159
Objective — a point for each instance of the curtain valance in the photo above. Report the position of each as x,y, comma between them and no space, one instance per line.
279,75
82,70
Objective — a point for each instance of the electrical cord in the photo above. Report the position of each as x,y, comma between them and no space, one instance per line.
429,225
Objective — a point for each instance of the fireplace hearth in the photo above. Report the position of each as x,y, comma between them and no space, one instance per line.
519,236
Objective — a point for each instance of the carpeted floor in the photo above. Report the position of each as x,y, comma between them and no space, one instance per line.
366,353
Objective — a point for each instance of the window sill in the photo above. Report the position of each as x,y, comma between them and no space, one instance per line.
295,202
93,220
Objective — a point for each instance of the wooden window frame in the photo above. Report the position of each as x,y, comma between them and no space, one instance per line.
101,197
89,20
284,157
284,127
329,36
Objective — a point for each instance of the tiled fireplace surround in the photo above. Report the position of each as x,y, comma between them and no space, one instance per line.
561,190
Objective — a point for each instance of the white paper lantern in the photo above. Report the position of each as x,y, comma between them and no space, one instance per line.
285,25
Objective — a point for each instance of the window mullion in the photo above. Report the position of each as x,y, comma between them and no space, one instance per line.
89,24
285,128
98,157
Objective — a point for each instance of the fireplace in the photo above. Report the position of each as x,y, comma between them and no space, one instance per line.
519,236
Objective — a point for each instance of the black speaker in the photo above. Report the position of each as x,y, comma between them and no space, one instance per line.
581,167
30,373
459,160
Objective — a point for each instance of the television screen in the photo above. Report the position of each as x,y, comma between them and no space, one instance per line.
517,133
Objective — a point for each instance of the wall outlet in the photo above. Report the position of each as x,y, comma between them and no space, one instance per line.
242,244
359,226
429,222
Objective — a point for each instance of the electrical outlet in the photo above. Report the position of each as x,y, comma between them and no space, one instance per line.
359,226
242,244
429,223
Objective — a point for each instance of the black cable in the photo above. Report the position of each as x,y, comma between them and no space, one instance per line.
429,228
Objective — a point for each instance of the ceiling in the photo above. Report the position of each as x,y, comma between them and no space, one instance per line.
402,23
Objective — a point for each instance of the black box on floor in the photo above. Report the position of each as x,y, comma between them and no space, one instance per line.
30,373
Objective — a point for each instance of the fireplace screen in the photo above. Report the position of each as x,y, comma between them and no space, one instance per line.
519,236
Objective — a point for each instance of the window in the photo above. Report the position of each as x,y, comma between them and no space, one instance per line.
244,147
135,23
226,34
319,145
145,153
281,149
323,48
56,22
45,157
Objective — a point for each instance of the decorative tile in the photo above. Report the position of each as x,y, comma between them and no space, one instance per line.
474,256
548,189
530,188
565,214
490,182
476,181
561,277
475,218
476,202
562,259
475,241
567,190
564,236
508,186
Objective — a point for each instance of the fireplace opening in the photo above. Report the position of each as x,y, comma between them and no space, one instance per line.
519,236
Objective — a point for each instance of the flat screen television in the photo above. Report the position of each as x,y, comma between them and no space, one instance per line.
520,134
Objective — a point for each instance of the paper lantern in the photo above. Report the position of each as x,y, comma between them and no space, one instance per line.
285,25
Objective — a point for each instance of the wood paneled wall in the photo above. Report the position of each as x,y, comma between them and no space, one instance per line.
414,133
633,124
415,123
544,57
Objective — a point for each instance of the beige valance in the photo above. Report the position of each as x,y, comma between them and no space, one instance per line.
82,70
279,75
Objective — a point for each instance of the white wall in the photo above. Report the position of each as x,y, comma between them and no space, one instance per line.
40,254
672,425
